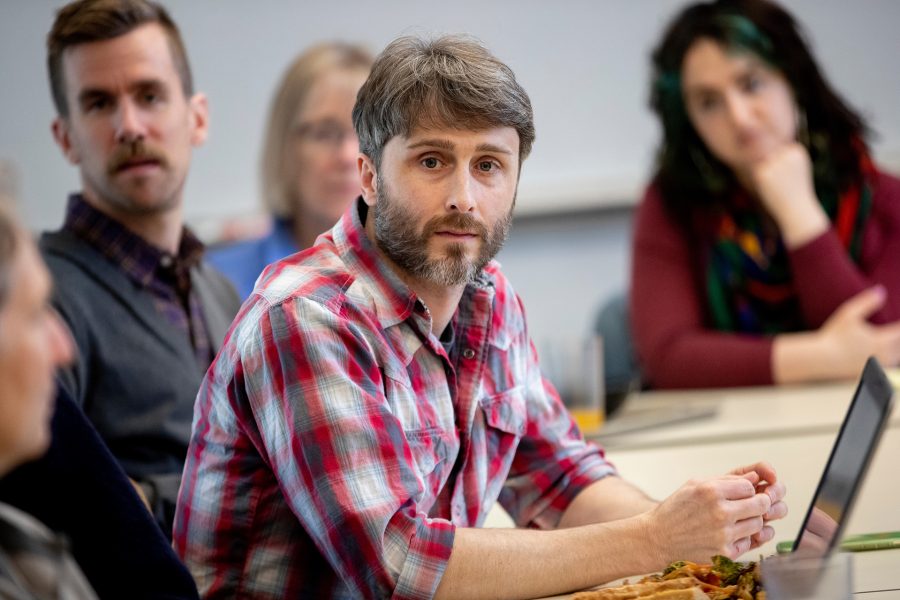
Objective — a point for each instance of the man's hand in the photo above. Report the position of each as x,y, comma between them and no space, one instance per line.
723,515
765,480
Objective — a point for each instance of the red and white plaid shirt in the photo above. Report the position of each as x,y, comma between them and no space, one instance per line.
336,446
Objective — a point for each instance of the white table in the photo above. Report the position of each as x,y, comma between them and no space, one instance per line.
793,428
741,413
799,461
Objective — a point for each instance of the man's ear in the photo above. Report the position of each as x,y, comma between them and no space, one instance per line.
199,109
62,136
368,176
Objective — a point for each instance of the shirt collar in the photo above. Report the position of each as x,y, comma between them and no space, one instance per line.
394,300
137,258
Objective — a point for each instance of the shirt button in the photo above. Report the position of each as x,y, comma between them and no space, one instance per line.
468,353
166,261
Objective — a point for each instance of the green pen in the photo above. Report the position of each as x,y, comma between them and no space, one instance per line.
856,543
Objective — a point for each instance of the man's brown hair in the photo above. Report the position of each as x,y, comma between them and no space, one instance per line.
86,21
451,81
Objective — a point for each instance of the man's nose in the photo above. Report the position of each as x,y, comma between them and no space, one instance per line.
460,197
130,126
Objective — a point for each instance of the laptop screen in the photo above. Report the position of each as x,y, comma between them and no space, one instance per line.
847,465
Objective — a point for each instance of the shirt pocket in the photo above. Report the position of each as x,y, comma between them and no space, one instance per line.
506,411
429,449
505,419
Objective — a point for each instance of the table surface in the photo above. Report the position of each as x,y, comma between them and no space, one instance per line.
878,569
748,413
794,429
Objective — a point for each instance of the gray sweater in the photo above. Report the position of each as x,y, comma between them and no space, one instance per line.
136,376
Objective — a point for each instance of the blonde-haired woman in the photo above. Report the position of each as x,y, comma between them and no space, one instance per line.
308,166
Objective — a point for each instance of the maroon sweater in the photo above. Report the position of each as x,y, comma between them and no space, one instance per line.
675,340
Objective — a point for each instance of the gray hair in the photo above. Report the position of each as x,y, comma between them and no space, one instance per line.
448,81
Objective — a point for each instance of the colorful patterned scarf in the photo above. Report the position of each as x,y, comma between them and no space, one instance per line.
749,282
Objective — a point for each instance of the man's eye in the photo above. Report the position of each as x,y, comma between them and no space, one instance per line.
430,162
97,104
486,166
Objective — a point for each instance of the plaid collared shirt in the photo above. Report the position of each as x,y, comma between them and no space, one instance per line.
166,278
336,446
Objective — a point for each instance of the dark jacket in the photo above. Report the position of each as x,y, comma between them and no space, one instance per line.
78,490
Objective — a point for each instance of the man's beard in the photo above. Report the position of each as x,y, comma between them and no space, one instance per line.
396,235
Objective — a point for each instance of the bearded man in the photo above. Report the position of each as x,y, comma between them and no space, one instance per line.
379,393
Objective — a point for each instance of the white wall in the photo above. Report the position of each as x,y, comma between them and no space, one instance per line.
564,266
584,63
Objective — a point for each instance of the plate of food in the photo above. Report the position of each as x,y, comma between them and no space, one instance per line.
722,579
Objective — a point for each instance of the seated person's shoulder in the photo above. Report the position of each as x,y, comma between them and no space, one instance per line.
73,283
314,292
317,276
886,201
652,201
887,186
62,251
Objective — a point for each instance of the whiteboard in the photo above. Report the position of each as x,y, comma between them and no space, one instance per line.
583,62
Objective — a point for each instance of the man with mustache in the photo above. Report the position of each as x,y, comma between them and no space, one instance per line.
146,312
379,392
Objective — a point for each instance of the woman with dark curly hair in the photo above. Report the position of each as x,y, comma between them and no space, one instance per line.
767,246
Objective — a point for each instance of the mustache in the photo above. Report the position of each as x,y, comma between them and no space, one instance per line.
457,222
136,151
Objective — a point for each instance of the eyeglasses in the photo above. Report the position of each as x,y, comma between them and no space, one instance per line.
324,134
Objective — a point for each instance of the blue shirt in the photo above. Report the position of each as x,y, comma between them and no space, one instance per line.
242,262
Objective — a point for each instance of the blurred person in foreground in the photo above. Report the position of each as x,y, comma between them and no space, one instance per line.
72,485
34,561
308,164
767,246
379,393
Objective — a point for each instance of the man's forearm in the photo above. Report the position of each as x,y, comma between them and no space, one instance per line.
608,499
721,515
519,563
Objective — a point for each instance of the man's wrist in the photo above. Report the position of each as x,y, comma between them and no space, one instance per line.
651,540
